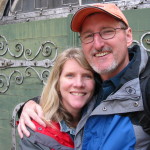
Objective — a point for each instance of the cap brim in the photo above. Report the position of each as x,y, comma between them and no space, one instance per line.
81,14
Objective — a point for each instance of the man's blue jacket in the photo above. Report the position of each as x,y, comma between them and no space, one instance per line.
112,124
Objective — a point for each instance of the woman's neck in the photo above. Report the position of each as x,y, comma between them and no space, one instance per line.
76,119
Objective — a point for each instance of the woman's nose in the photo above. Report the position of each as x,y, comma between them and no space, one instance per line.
79,82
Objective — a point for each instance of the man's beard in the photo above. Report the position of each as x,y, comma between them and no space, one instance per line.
107,70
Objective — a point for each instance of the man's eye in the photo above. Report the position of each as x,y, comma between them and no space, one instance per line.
107,31
88,36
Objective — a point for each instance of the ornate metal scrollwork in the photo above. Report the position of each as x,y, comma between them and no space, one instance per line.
5,81
28,64
42,76
145,41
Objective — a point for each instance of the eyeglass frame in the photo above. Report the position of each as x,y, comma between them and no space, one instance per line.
121,28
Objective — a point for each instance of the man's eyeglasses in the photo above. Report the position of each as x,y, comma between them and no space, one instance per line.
106,33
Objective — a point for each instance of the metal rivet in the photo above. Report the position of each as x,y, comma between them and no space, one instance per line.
104,108
39,128
147,41
136,104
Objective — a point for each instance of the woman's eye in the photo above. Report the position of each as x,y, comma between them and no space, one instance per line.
88,76
69,75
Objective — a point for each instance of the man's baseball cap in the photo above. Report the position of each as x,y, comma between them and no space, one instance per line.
108,8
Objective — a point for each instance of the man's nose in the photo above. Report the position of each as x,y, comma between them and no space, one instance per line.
98,42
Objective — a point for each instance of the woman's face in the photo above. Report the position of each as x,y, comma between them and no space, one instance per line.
76,86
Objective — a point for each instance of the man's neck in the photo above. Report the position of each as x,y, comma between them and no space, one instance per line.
112,74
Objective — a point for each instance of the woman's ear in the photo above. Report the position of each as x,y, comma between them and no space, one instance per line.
129,36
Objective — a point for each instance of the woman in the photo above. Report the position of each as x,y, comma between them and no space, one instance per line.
69,88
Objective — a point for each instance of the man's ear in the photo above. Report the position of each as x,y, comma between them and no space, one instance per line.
129,36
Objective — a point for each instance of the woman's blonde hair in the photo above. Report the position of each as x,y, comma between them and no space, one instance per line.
50,98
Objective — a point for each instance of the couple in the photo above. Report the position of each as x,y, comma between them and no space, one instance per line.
110,120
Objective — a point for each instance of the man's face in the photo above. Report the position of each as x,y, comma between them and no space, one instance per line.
107,57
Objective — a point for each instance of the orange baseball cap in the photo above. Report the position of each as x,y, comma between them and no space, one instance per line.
109,8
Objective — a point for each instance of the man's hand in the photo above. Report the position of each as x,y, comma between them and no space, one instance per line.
31,110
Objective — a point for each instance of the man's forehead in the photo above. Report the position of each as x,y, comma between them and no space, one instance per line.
101,23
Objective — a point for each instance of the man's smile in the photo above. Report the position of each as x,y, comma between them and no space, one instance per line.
101,54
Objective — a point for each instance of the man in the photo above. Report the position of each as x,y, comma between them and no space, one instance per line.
109,122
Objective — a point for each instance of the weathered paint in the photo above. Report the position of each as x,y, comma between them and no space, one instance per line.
31,35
